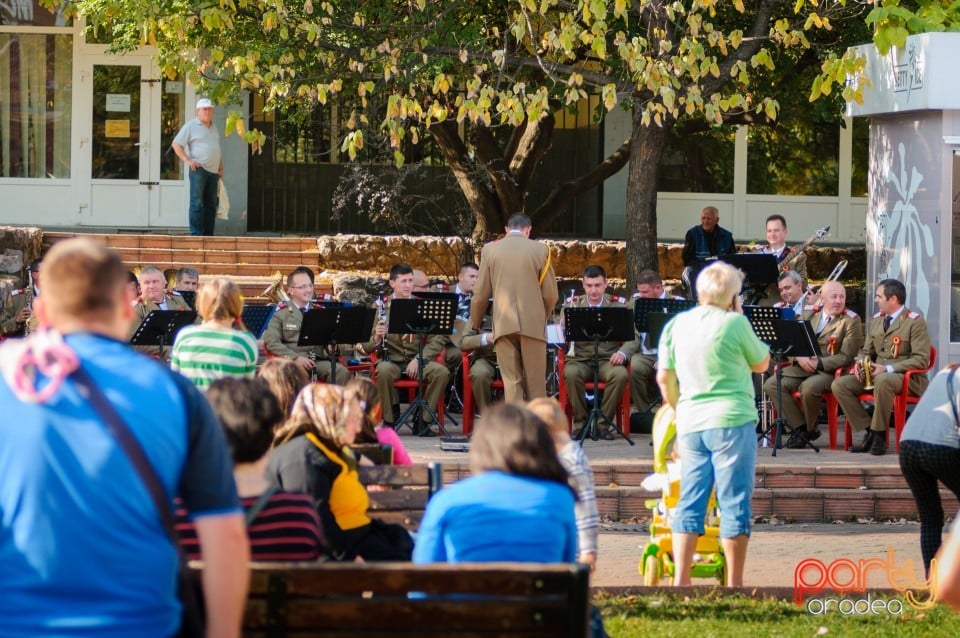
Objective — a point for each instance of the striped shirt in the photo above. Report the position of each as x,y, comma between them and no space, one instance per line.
585,509
286,529
205,353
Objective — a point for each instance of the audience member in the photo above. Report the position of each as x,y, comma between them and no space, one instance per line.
83,548
575,462
373,430
220,346
285,379
948,571
282,526
312,455
703,368
517,484
930,452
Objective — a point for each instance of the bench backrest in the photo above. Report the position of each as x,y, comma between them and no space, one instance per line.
407,490
345,599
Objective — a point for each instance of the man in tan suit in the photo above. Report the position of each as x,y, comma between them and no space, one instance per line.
155,296
612,356
840,335
897,341
516,271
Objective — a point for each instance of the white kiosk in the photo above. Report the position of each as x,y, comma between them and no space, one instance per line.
913,226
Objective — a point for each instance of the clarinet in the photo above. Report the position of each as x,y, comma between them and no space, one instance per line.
382,318
312,355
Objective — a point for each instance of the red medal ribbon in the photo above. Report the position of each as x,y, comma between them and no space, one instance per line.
832,346
896,346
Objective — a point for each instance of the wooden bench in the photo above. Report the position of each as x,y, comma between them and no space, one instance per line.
407,488
373,599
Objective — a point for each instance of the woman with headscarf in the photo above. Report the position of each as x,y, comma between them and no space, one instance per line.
312,455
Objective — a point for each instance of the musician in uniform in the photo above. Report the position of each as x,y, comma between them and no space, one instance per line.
397,354
612,356
793,294
18,318
643,391
188,279
897,341
466,282
840,335
283,332
517,273
787,258
155,296
483,365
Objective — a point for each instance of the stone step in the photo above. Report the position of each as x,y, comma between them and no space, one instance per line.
187,242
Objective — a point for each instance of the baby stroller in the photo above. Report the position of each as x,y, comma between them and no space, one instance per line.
656,561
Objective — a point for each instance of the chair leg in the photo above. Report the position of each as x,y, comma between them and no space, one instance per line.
624,414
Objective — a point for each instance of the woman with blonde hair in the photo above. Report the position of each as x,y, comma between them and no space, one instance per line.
285,379
704,363
515,506
312,455
220,346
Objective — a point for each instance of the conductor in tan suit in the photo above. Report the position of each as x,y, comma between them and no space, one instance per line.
516,271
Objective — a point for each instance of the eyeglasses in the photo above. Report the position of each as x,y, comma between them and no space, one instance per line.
303,287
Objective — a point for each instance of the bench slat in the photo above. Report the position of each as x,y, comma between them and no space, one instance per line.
399,499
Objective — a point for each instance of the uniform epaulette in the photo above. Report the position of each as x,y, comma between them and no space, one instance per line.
282,305
173,293
614,299
442,286
138,300
636,295
779,304
325,297
17,291
878,315
913,314
812,308
573,299
851,314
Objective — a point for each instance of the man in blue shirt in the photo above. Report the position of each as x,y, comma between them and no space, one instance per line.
708,240
83,547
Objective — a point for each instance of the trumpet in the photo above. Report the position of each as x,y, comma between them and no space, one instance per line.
865,372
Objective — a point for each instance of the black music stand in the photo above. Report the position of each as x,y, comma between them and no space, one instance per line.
256,318
332,324
596,325
793,338
642,306
759,270
433,314
190,296
160,328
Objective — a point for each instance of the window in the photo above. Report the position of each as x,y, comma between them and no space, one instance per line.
35,104
794,159
29,13
698,163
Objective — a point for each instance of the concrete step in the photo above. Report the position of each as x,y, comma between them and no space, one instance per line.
186,242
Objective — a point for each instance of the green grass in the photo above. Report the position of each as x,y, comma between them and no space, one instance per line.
716,616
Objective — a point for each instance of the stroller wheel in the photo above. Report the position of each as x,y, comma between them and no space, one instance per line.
651,571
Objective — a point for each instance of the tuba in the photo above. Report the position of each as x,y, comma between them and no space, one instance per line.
275,292
865,372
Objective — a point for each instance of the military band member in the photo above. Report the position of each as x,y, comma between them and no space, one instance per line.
466,281
483,365
283,332
397,354
897,341
18,318
188,279
840,335
787,258
155,296
612,355
643,391
793,294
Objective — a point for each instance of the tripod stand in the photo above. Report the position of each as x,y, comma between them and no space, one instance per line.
598,324
419,405
785,337
328,325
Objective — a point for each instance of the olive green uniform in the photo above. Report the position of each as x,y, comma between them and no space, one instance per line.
281,336
143,308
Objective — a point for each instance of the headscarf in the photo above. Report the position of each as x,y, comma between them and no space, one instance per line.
321,410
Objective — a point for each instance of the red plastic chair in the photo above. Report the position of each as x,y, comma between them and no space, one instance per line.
833,410
900,402
623,411
468,409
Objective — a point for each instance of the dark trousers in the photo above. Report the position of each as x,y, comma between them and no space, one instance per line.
203,201
923,464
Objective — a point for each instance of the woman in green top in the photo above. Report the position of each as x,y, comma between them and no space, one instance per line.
704,363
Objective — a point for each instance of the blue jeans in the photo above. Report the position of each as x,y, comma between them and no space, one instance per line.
203,201
727,457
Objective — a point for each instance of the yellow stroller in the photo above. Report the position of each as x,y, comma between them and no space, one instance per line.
657,559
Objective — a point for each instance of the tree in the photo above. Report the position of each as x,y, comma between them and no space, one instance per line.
498,69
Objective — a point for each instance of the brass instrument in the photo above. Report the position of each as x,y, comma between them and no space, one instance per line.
837,271
785,263
31,321
170,274
275,292
865,372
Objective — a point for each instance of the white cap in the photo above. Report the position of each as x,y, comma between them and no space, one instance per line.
204,103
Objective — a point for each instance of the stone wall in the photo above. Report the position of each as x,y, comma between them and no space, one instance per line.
18,247
441,256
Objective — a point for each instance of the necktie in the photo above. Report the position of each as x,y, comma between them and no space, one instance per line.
886,322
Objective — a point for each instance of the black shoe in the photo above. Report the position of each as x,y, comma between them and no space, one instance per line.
425,431
576,433
879,445
800,438
608,436
867,443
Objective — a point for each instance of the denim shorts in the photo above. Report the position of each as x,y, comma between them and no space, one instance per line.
726,457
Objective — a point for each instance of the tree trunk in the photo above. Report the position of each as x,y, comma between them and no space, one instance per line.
648,144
